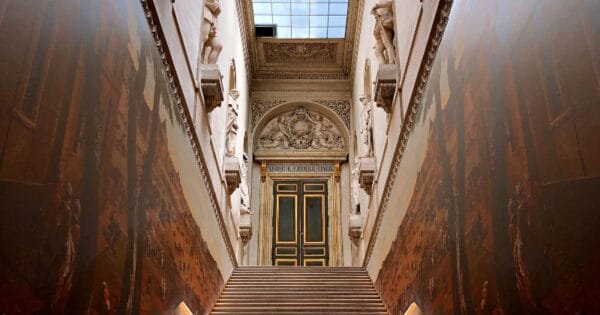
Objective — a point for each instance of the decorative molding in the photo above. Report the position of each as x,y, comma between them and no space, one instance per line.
366,173
300,52
260,108
244,27
340,107
233,176
182,108
355,230
300,129
298,75
414,105
385,86
211,85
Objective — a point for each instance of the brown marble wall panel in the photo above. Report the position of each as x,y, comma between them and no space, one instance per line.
94,213
504,214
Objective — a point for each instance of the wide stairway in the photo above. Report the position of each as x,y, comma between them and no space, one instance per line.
299,290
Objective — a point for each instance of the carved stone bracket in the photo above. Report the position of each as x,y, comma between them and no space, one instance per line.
212,85
366,173
355,228
385,86
245,227
232,173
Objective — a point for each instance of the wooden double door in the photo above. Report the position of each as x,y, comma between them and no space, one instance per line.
300,223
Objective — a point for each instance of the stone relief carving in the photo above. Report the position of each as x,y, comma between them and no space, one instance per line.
299,75
211,46
300,52
384,32
261,107
232,123
340,107
355,187
366,129
300,129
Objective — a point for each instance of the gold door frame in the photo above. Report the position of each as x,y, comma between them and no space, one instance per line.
333,211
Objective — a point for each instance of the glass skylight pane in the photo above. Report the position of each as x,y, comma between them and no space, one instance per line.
318,32
336,32
338,8
318,21
281,9
300,32
284,32
282,20
337,21
300,8
300,21
303,18
262,8
263,19
319,9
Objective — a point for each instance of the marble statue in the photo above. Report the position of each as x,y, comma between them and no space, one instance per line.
384,32
244,196
355,187
232,123
366,129
211,46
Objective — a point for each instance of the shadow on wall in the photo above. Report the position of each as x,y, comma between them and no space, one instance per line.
93,204
503,217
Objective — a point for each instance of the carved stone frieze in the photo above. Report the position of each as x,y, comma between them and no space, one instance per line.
300,129
212,86
385,86
261,107
299,75
300,52
340,107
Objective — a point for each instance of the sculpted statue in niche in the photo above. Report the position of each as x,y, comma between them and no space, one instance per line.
302,130
384,32
211,46
355,187
232,123
244,196
366,129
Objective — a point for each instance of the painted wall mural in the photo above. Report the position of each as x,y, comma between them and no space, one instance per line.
504,215
94,196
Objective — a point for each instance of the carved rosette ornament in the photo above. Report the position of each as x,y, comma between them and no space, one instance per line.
300,129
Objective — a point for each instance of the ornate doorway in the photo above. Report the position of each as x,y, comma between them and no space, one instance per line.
300,223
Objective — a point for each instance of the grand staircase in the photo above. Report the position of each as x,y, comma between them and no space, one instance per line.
299,290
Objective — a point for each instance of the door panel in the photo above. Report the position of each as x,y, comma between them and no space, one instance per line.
300,223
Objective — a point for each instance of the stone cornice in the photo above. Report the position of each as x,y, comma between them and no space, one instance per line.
414,106
182,108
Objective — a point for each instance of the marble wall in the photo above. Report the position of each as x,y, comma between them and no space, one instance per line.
496,207
101,204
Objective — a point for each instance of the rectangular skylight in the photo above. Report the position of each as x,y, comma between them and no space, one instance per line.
303,18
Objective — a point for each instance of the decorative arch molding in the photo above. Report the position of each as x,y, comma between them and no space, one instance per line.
301,130
260,107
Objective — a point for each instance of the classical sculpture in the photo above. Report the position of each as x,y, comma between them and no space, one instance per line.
384,32
301,130
355,189
232,123
244,196
211,46
366,130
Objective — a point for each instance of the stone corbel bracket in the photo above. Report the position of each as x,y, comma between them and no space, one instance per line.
385,86
366,173
232,173
355,228
211,83
245,227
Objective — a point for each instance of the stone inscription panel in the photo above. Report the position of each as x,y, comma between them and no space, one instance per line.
300,168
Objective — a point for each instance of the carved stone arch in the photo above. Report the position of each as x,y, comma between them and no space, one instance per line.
315,136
